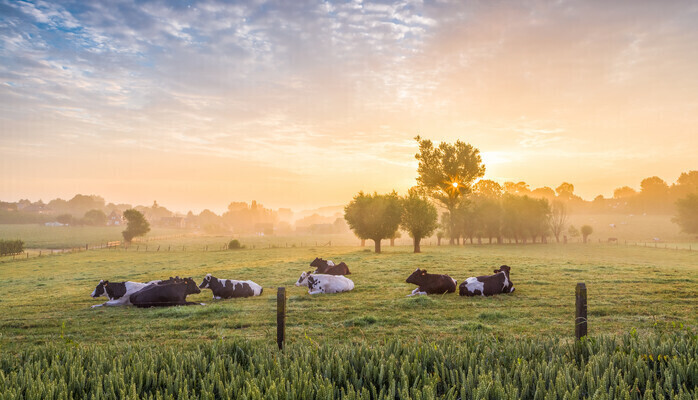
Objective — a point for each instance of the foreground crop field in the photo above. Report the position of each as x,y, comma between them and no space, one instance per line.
44,299
478,367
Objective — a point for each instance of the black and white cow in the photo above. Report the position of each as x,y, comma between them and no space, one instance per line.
229,288
488,285
118,293
321,283
166,294
431,283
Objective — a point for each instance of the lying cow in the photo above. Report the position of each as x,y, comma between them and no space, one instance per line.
166,294
118,293
322,283
488,285
228,288
328,267
431,283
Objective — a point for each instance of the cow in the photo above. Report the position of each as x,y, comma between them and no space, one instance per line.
166,294
118,293
323,283
228,288
488,285
328,267
431,283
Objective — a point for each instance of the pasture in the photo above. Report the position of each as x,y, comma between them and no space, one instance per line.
47,299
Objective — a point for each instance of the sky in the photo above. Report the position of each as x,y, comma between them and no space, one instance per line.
302,104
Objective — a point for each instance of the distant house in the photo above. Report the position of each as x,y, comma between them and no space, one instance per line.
115,219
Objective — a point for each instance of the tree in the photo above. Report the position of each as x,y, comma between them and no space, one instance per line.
65,219
558,218
447,172
586,231
419,217
687,213
136,225
624,192
488,188
565,191
375,217
572,231
95,218
654,195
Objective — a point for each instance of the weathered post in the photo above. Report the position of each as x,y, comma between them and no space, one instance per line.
580,320
86,247
281,317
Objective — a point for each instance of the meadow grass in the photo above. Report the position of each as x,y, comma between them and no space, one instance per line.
628,287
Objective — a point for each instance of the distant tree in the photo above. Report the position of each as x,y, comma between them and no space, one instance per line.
65,219
396,235
654,195
234,245
419,217
447,172
136,225
573,231
624,192
375,217
488,188
95,218
586,231
489,215
687,214
517,188
565,191
558,218
543,193
439,235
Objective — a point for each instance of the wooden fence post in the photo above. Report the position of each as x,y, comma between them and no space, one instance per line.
281,317
580,320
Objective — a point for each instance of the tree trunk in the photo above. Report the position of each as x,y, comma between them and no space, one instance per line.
479,240
392,242
438,241
378,245
417,249
363,242
557,238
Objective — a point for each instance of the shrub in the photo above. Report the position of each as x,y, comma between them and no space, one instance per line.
234,245
9,247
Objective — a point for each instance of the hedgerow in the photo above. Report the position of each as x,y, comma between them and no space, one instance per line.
478,367
11,247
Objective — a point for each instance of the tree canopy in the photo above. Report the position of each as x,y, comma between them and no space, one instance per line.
375,217
687,213
419,217
448,171
136,226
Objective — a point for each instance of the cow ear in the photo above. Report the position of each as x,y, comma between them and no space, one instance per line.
424,272
496,271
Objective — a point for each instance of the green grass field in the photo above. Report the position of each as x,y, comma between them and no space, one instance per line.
628,287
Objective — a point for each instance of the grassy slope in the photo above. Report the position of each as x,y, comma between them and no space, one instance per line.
629,288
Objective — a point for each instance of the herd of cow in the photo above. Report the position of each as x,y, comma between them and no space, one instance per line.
327,278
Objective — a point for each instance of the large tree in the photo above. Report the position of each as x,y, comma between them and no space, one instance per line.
586,231
447,172
136,225
687,213
375,217
558,218
419,217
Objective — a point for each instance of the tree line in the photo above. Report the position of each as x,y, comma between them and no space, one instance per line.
447,176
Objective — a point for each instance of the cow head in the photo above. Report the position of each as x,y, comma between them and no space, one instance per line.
101,289
207,282
318,262
510,287
303,280
191,286
417,276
